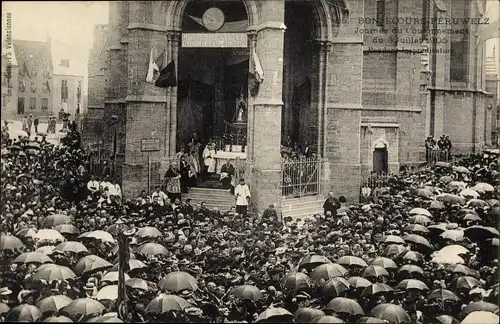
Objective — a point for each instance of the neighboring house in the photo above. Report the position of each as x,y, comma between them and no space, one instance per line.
68,88
9,79
32,84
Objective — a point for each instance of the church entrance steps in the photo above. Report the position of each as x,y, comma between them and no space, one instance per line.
304,207
220,198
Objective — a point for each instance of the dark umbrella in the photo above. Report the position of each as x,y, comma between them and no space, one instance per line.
394,250
307,315
328,271
446,319
165,303
411,268
350,260
345,305
370,320
274,314
442,294
83,306
479,306
480,232
334,287
413,256
374,271
328,319
376,288
416,228
295,282
312,261
246,292
178,281
55,219
467,282
417,239
359,282
412,284
391,313
385,263
24,313
57,319
53,303
91,263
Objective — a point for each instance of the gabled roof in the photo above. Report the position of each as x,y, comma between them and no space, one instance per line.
36,55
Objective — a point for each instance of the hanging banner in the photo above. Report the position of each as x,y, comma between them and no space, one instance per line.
214,40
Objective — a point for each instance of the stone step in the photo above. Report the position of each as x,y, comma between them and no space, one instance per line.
288,200
302,207
220,198
302,204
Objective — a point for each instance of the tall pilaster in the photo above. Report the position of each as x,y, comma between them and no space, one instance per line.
265,123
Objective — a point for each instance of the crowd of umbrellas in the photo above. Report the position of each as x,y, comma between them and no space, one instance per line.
424,252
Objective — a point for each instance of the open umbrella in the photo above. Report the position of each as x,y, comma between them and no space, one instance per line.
469,193
370,320
374,271
451,199
55,219
14,148
133,264
480,306
442,294
91,263
385,263
295,282
480,232
67,229
312,261
98,235
483,187
410,268
137,283
9,242
4,308
71,246
461,169
441,164
53,303
83,306
466,282
391,313
453,249
105,319
419,219
446,179
26,233
32,257
307,315
350,260
152,249
446,319
477,203
327,271
424,192
274,314
359,282
392,239
46,249
447,259
417,239
481,317
152,232
417,228
412,284
50,235
57,319
472,217
420,211
112,276
178,281
345,305
376,288
51,272
108,293
436,205
328,319
394,250
246,292
414,256
164,303
453,235
437,228
334,287
459,268
24,313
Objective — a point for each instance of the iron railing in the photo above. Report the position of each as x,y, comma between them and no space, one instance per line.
370,182
436,155
301,177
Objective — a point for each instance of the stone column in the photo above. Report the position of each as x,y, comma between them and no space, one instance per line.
176,36
265,125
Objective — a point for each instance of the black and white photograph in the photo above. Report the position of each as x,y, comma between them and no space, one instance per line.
250,161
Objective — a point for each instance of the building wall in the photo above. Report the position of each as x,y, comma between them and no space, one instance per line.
9,90
73,100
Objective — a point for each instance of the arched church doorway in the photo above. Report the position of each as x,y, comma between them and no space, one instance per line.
380,158
213,73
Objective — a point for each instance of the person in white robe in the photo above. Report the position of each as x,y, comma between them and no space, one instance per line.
209,158
242,196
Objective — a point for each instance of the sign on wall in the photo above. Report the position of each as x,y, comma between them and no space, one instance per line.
150,144
214,40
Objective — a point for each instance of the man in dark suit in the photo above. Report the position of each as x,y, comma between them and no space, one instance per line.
331,204
226,174
307,150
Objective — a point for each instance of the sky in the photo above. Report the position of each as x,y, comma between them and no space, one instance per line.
69,24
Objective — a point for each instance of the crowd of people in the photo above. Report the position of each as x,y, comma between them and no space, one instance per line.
424,251
438,149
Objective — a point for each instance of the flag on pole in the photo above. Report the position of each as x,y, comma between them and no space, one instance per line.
167,77
25,70
259,72
490,31
153,70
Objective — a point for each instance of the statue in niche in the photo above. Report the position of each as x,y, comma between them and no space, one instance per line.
240,110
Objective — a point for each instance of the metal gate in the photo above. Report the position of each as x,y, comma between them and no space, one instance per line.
372,183
301,177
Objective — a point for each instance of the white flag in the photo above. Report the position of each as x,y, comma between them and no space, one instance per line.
259,72
153,70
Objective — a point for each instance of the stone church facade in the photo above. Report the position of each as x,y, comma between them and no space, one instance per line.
369,87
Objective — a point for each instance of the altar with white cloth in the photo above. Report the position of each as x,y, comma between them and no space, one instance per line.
222,156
